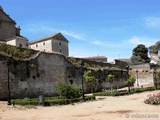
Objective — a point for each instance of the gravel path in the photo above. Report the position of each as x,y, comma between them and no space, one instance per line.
131,107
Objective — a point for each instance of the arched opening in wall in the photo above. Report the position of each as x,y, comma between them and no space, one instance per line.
43,43
60,51
36,45
71,81
20,45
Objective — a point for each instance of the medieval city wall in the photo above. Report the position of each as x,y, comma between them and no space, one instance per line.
39,75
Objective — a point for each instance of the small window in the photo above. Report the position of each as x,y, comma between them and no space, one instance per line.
60,50
36,45
60,43
44,50
44,43
20,45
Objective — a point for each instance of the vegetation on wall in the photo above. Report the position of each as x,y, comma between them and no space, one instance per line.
66,90
90,81
88,77
110,78
16,52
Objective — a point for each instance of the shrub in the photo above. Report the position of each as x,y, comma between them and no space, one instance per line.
107,93
50,101
153,99
68,91
25,101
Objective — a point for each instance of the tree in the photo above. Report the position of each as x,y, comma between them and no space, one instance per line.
131,80
89,79
140,55
111,78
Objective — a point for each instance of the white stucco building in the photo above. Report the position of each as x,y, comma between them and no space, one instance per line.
52,43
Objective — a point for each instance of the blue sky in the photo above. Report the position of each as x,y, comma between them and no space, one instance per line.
111,28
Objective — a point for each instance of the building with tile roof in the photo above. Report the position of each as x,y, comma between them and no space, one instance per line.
10,34
52,43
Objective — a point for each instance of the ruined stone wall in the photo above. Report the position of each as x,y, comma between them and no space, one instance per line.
39,75
144,76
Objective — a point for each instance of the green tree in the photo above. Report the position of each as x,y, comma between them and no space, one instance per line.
140,55
131,80
90,80
110,78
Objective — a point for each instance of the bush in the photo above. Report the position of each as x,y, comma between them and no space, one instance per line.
69,91
125,92
50,101
153,99
24,101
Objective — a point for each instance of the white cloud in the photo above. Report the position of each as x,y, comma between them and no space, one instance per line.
108,44
40,28
153,22
145,41
72,34
98,42
45,28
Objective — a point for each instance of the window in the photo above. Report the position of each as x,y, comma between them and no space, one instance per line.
20,45
44,43
60,43
36,45
60,50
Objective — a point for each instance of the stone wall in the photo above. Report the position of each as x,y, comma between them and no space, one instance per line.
144,75
38,75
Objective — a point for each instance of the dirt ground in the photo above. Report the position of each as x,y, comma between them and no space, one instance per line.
131,107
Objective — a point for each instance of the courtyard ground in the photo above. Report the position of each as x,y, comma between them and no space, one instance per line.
130,107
